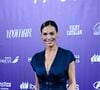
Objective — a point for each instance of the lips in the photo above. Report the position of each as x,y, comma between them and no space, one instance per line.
50,40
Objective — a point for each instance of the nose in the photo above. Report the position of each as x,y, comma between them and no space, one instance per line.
48,36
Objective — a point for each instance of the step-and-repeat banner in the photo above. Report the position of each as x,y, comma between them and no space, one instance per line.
20,38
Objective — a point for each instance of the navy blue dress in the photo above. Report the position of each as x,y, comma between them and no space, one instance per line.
58,73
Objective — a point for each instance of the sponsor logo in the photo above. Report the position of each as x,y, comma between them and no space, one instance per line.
5,85
27,86
29,59
95,58
45,1
15,60
62,0
96,85
9,60
24,85
77,86
19,33
96,29
77,58
74,30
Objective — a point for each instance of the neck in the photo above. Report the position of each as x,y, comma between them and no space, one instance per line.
53,48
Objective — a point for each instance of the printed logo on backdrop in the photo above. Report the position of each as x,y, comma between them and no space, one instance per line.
95,58
5,85
9,60
45,1
96,85
96,29
77,86
74,30
29,59
27,86
77,56
19,33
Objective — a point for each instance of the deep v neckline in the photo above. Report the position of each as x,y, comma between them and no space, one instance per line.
47,73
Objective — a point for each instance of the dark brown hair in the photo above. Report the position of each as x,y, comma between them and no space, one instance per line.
49,22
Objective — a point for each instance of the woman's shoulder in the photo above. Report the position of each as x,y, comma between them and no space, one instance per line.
65,50
39,54
67,53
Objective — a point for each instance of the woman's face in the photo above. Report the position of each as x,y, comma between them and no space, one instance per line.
49,36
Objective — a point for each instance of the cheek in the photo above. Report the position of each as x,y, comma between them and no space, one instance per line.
55,37
43,38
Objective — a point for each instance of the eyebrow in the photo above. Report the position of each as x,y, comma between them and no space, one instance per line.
51,33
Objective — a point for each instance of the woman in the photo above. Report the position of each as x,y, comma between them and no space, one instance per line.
54,66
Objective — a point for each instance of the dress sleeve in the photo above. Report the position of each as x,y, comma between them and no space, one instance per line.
33,63
71,57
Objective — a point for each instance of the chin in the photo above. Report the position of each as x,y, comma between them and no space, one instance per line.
50,44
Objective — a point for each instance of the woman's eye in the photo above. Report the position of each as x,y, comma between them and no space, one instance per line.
44,33
51,33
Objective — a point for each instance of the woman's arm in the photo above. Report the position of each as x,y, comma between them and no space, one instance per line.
36,82
71,73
